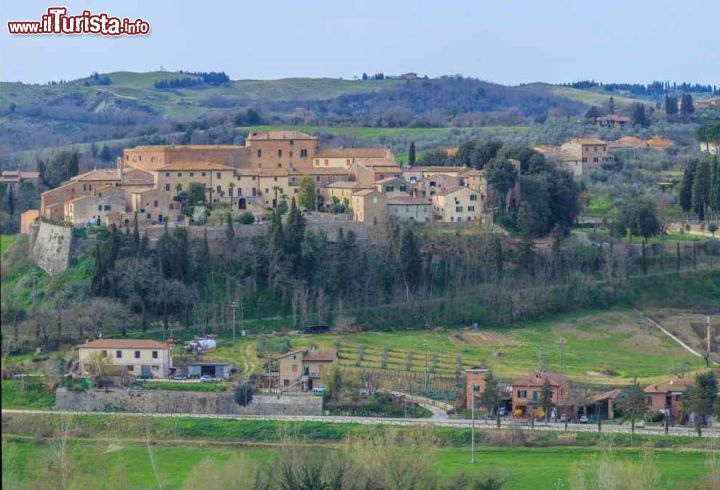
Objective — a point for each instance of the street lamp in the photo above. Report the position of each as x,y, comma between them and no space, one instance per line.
234,306
425,344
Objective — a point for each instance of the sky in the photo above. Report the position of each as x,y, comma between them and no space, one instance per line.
504,41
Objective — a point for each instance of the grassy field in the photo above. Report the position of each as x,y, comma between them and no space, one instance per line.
30,395
5,242
168,465
617,340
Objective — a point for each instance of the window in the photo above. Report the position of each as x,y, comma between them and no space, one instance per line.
286,382
218,175
118,354
131,368
107,207
535,396
473,197
99,207
104,353
259,153
458,209
291,154
471,209
389,188
167,187
595,159
584,160
219,189
294,368
203,174
155,367
155,204
179,174
303,153
279,153
275,179
137,354
522,394
167,174
154,354
317,178
192,174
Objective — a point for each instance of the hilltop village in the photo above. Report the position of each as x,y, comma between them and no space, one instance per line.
153,183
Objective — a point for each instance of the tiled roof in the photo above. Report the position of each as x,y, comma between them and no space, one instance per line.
387,180
375,152
99,174
343,184
280,135
538,378
377,163
408,200
124,344
194,166
586,140
187,147
134,176
659,142
449,190
320,355
364,192
320,171
675,384
439,169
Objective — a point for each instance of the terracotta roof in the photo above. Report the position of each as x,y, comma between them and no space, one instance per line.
380,162
364,192
343,184
408,200
659,142
124,344
390,179
675,384
538,379
607,395
587,140
374,152
194,166
631,141
320,355
99,174
134,176
320,171
280,135
439,169
186,147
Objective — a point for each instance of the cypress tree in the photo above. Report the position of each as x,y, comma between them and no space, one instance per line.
11,201
411,154
97,284
701,189
686,186
714,195
136,235
230,232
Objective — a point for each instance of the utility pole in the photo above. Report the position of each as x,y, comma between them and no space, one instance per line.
233,305
707,324
563,342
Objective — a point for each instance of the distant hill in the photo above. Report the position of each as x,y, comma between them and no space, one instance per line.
121,106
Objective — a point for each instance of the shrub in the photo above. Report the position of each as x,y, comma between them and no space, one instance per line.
247,218
243,394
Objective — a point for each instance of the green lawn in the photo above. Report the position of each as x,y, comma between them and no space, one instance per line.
30,394
5,242
617,339
95,462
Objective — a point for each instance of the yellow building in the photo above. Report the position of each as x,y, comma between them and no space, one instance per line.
302,370
457,205
345,157
369,206
93,209
177,177
142,358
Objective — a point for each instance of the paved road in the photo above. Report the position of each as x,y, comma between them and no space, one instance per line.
458,423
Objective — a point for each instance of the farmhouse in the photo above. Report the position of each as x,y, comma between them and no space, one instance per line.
526,392
302,369
666,397
141,358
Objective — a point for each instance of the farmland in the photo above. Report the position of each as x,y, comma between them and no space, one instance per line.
609,348
171,463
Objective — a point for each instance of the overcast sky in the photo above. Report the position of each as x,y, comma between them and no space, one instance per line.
506,41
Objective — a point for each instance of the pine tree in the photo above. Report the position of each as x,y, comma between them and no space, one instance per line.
686,186
230,233
687,108
136,235
701,189
410,260
97,283
411,154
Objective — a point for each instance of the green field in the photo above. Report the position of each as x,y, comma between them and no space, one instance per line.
616,340
30,394
5,242
137,465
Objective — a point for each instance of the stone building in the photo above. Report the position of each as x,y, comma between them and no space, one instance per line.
281,149
94,208
369,206
457,205
408,209
302,370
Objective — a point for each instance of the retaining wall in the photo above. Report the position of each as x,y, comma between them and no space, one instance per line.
167,401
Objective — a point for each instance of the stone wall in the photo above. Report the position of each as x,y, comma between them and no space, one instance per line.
51,247
166,401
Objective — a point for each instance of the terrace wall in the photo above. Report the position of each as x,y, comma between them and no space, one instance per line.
166,401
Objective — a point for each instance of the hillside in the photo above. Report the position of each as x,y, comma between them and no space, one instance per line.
119,106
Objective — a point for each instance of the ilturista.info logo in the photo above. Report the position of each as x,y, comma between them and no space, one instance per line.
57,21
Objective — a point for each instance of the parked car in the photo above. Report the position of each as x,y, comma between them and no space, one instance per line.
584,419
563,418
501,412
320,390
179,377
207,379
